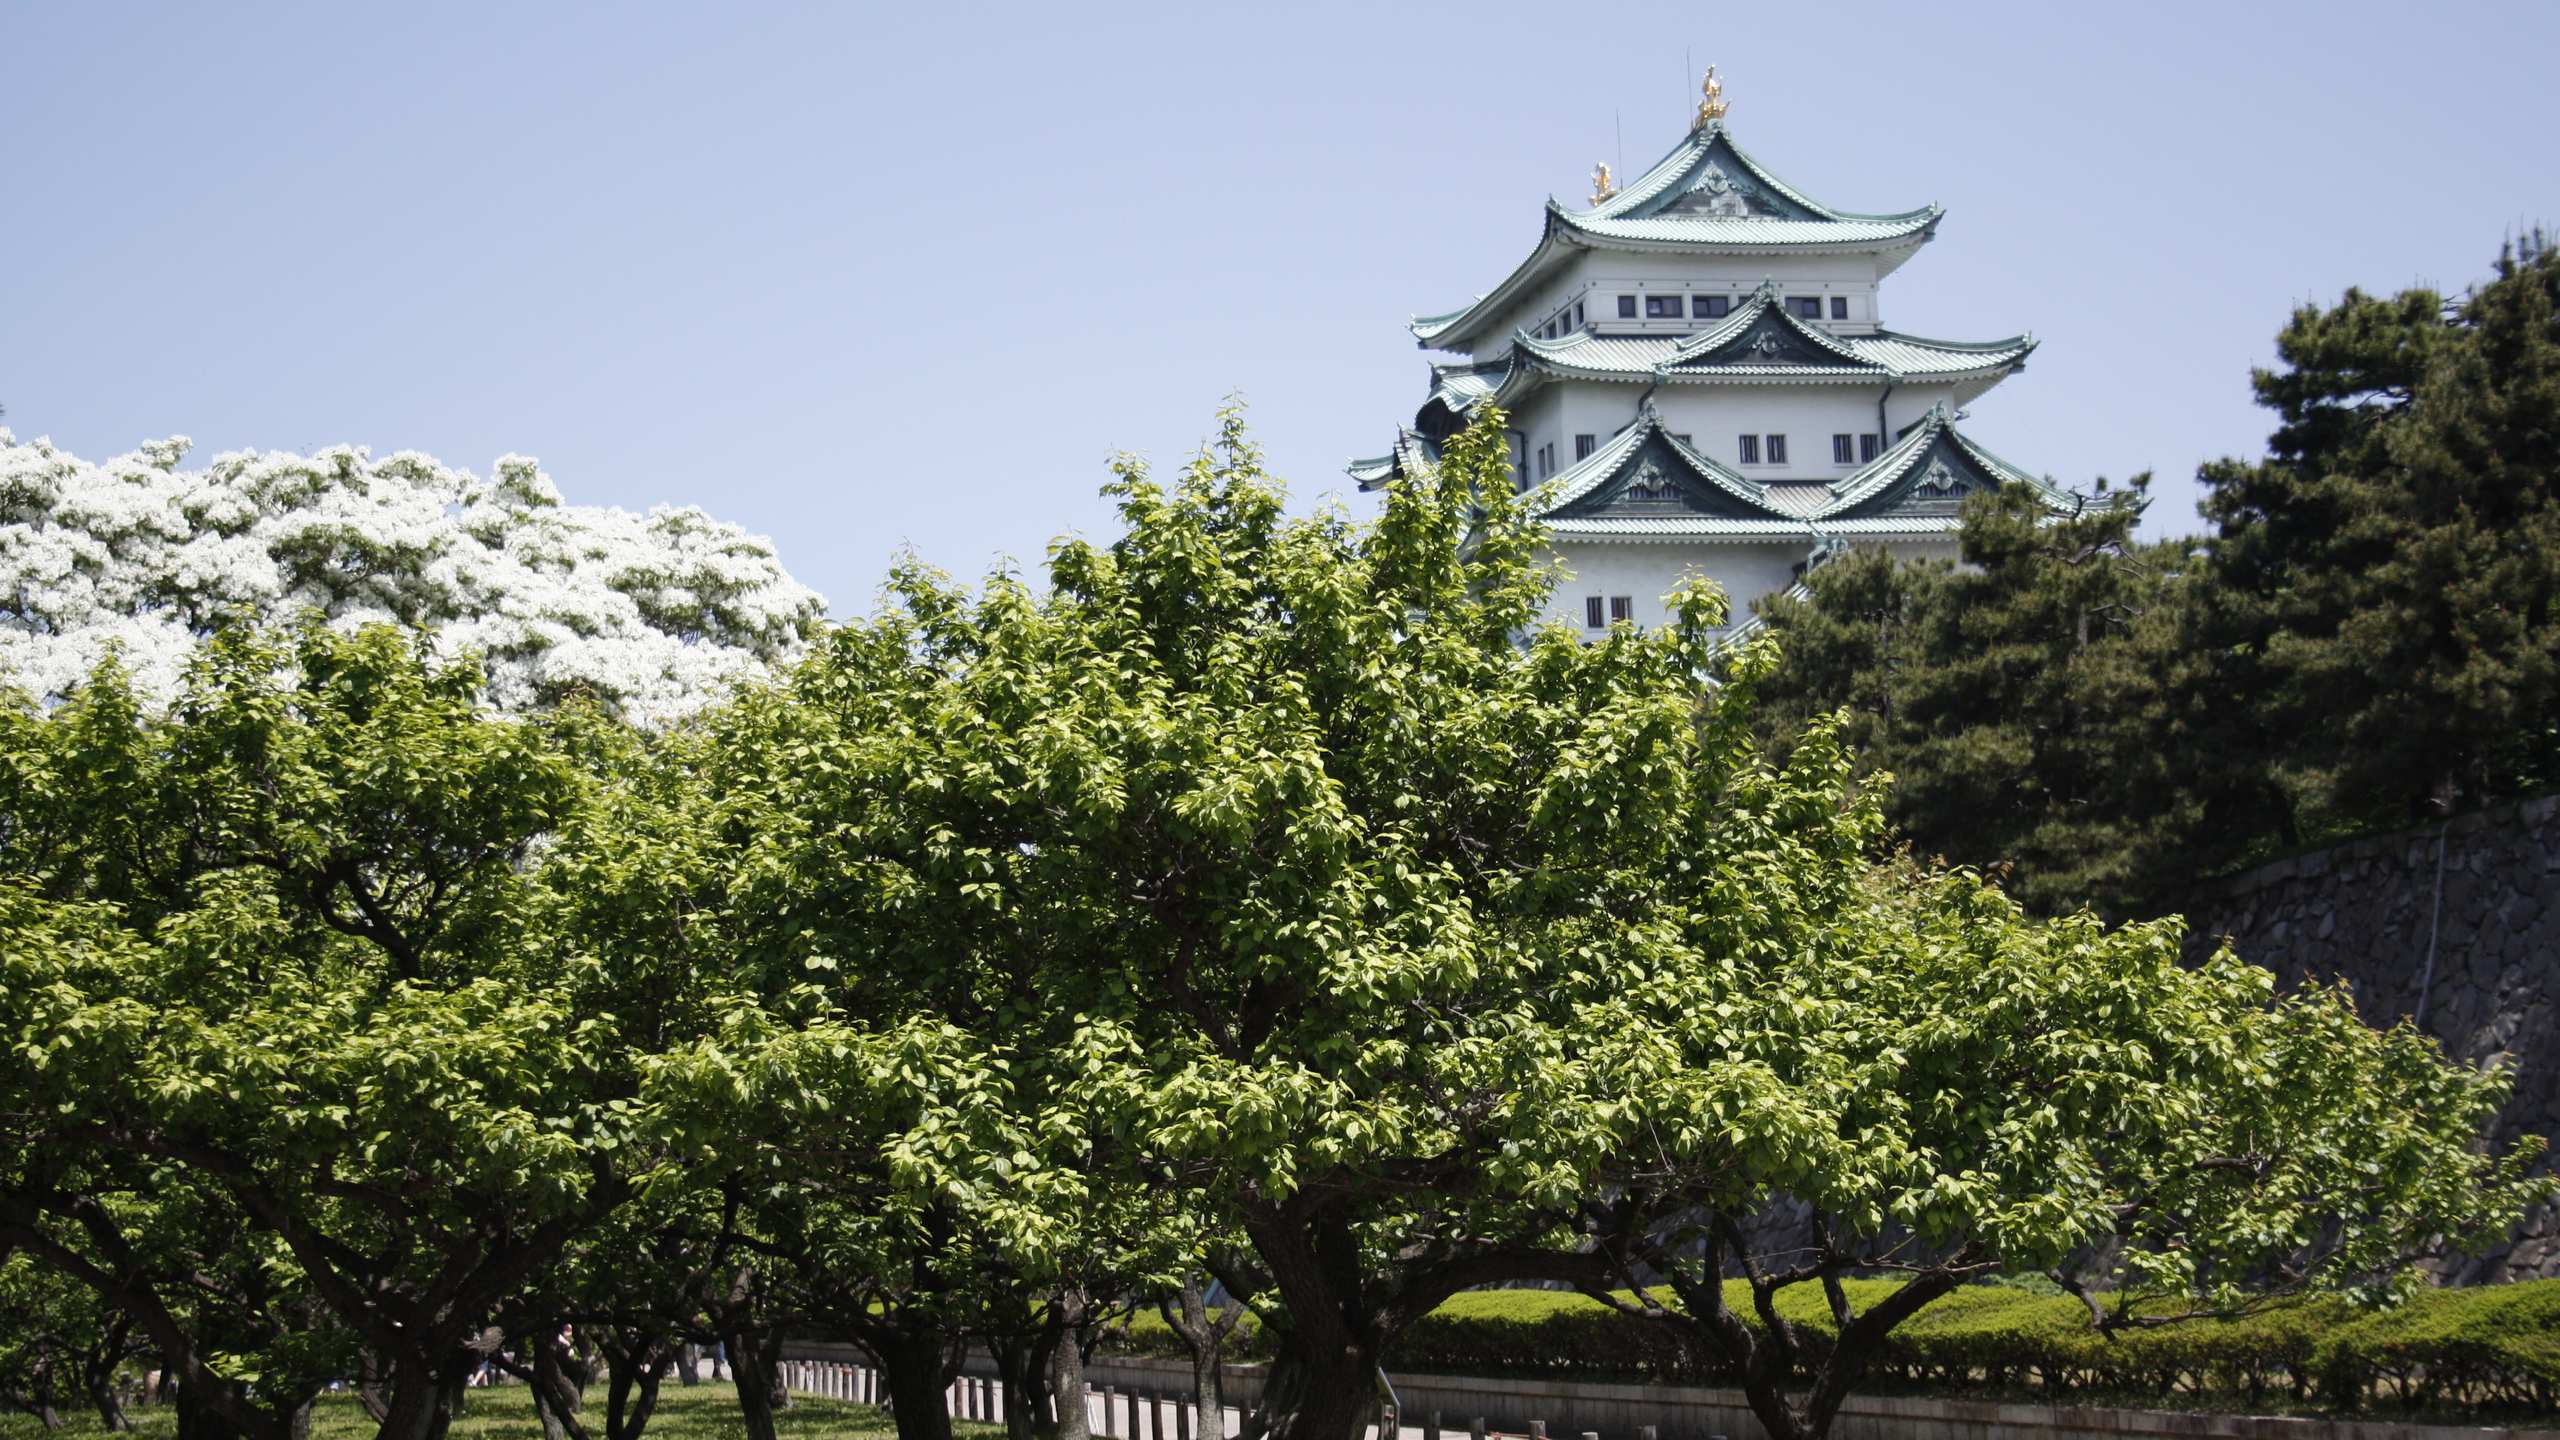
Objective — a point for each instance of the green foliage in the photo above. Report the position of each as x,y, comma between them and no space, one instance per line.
2386,583
2493,1349
2020,701
2370,635
315,1021
1262,897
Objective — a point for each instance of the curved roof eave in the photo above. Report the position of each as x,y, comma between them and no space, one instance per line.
1565,235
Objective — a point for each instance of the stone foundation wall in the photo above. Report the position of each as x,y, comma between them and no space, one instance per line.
2363,912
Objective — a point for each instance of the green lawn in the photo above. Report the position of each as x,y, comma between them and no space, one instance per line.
704,1412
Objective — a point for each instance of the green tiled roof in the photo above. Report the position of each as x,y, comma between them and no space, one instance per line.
1413,452
1726,353
1677,527
1600,477
1706,164
1911,491
1707,194
1460,387
1928,470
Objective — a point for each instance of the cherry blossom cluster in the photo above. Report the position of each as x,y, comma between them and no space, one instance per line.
656,612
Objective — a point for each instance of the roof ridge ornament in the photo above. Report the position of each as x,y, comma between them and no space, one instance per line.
1712,107
1604,186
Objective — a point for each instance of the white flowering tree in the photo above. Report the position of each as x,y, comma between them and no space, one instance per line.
653,612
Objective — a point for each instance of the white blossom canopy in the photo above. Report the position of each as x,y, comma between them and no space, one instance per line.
655,612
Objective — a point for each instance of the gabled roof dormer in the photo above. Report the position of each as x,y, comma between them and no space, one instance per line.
1647,481
1927,473
1763,336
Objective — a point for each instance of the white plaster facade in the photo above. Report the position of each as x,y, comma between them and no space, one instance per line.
1852,399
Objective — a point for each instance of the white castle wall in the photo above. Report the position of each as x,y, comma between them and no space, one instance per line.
1646,572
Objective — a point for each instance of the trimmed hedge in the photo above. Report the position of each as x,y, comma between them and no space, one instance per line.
2487,1349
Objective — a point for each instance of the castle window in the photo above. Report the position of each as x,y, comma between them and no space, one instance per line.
1662,307
1866,448
1710,307
1839,307
1777,449
1595,612
1750,449
1577,314
1805,307
1842,447
1626,307
1583,445
1622,607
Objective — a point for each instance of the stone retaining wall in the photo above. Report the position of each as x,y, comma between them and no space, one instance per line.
2362,912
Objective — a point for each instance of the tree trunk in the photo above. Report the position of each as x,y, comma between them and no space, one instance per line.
917,1378
689,1365
1310,1397
46,1415
631,1397
1066,1390
751,1373
1030,1405
415,1408
98,1366
104,1400
1205,1338
198,1421
559,1392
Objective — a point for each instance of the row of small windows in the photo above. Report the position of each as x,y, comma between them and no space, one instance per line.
1598,611
1763,449
1716,307
1543,463
1564,322
1846,449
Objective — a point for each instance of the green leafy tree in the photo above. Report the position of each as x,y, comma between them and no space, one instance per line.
331,946
1942,1088
2385,584
60,1344
1307,874
2031,703
1424,958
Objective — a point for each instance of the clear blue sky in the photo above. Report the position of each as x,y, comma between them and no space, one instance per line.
861,277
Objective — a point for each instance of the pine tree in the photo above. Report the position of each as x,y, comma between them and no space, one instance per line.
2019,700
2383,587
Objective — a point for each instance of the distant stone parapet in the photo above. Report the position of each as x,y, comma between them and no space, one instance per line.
2361,912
